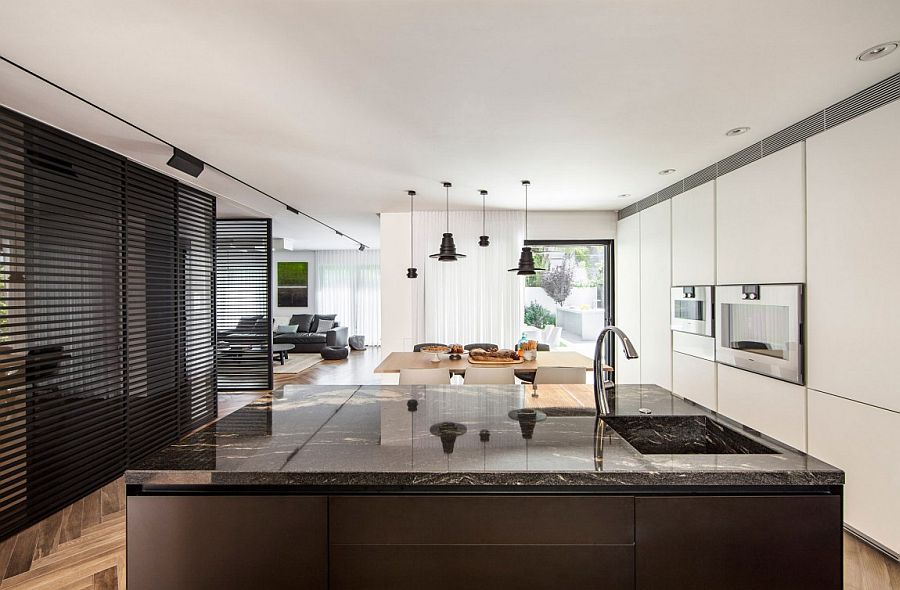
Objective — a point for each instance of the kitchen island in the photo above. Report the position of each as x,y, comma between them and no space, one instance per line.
483,487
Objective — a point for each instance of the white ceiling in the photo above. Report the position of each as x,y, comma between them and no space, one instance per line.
339,107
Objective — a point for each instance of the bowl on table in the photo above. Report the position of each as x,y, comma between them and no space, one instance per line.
435,352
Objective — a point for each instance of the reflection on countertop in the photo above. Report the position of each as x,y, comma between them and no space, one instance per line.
393,436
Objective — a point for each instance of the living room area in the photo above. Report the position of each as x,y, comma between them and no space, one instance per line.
283,307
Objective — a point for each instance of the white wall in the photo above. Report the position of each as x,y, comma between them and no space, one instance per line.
853,212
656,282
282,313
398,294
572,225
628,296
694,236
579,296
761,221
824,213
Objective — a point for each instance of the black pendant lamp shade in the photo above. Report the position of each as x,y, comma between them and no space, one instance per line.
483,241
526,263
526,258
448,251
411,272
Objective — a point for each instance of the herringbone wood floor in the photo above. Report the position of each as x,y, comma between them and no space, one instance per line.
83,546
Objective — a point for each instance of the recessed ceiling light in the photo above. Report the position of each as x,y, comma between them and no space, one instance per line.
877,52
624,195
737,131
666,171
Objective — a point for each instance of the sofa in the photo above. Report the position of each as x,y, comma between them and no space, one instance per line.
307,339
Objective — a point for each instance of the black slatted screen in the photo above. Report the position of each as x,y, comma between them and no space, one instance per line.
153,307
196,244
243,316
106,287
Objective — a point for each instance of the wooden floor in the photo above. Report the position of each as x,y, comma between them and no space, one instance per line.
83,546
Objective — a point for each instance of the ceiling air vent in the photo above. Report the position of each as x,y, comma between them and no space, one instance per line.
670,191
741,158
864,101
698,178
796,133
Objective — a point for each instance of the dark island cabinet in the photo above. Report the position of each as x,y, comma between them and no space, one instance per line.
738,542
705,541
227,542
496,542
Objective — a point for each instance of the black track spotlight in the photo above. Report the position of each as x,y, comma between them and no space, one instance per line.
186,163
362,247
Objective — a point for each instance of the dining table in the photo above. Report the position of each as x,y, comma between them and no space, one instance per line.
396,361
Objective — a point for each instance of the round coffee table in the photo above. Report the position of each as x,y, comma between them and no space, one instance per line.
282,351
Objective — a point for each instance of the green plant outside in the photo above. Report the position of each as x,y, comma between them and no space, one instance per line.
538,316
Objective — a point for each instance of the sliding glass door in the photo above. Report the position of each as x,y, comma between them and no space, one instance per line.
571,301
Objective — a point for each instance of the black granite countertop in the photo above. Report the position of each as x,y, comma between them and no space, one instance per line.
396,437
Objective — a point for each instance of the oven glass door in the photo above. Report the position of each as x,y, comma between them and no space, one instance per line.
763,335
692,314
756,329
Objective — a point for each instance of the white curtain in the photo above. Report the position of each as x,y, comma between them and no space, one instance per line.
348,283
474,299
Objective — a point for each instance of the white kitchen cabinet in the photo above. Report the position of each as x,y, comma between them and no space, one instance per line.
694,379
628,295
773,407
864,442
656,283
761,221
694,236
854,212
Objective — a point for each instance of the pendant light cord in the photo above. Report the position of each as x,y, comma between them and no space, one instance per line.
447,189
526,212
411,257
483,197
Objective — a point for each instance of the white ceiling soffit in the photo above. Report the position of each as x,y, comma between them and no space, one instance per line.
339,107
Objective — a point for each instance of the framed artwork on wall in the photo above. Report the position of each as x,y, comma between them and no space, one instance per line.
293,284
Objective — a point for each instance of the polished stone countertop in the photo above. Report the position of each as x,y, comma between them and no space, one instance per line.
407,437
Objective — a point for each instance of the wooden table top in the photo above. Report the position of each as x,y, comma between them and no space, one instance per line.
420,360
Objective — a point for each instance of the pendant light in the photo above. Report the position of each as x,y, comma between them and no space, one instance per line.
448,251
411,272
483,241
526,258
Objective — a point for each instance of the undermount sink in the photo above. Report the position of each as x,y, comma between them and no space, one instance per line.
683,435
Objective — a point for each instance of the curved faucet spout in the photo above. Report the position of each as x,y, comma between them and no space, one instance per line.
600,397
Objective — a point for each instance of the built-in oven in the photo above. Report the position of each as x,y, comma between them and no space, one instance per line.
692,310
760,329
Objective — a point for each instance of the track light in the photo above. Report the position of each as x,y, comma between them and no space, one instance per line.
186,163
362,247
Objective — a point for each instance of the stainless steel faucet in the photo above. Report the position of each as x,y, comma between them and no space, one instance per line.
600,397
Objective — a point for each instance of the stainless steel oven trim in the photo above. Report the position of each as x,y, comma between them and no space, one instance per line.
704,293
792,371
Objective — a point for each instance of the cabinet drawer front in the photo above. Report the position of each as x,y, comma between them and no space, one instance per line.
482,520
739,543
498,567
227,542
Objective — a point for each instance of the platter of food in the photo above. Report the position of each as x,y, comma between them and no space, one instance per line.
479,356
